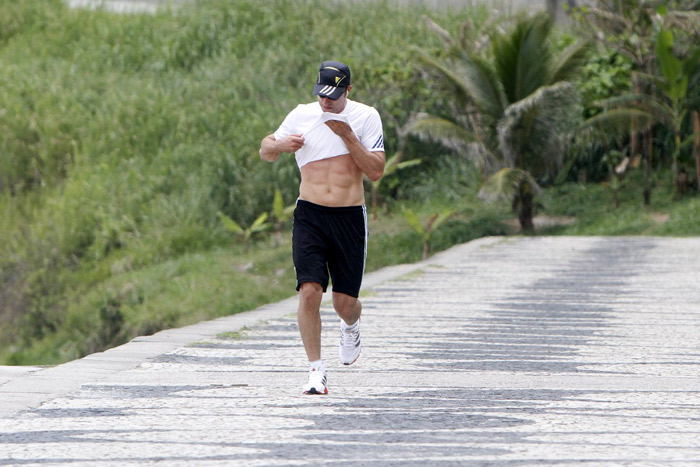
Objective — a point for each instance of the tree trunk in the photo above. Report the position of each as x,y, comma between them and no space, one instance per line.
278,234
634,139
646,153
696,147
374,202
526,208
559,10
553,8
676,168
635,134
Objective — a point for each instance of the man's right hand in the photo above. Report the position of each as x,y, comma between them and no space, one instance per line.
290,144
271,148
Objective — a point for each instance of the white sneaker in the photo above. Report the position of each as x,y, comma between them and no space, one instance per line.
350,345
317,382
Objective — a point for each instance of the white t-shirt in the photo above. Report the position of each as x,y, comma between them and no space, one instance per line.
319,141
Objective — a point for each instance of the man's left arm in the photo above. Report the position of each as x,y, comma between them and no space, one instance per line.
370,162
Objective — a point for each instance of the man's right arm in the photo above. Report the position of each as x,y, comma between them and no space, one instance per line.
271,148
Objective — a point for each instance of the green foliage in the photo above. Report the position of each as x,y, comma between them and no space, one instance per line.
506,183
605,74
281,214
432,224
124,136
640,31
246,235
393,165
519,188
665,104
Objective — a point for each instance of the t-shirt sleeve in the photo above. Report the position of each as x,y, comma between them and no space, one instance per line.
288,126
373,134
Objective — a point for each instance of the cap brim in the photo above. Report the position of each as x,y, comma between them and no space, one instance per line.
328,91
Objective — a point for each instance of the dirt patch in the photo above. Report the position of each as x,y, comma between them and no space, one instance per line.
659,217
542,221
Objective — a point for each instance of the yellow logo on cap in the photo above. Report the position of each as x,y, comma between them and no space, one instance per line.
337,79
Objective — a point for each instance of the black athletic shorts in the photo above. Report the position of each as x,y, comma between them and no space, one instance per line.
330,240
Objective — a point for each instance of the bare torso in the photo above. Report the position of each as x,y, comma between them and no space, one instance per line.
334,182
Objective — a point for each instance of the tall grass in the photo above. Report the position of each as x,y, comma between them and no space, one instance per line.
122,136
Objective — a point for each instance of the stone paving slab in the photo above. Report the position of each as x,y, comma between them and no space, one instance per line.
502,351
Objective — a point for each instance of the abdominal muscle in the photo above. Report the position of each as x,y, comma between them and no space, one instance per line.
334,182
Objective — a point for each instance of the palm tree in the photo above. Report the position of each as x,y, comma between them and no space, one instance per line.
513,106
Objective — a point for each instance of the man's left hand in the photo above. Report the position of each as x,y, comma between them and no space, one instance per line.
341,129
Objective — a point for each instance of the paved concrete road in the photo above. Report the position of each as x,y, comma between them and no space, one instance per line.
515,351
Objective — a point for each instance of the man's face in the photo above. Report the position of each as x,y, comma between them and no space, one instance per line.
334,106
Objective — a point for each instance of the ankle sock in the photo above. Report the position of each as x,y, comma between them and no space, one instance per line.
316,365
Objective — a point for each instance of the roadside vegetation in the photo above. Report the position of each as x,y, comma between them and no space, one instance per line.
133,199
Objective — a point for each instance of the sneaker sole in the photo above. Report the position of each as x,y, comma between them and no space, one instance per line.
314,392
348,364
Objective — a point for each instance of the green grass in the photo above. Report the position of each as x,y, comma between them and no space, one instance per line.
123,136
174,293
593,208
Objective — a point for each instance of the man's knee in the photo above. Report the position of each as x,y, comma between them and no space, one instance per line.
310,291
344,304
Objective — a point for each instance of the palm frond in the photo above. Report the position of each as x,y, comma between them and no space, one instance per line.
601,20
259,224
475,39
659,111
445,36
485,85
393,164
614,125
537,122
648,79
566,65
413,221
505,184
474,78
691,65
406,164
458,138
447,132
631,99
443,69
229,223
522,57
278,204
683,20
441,218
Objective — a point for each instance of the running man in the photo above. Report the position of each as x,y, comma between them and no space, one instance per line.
335,141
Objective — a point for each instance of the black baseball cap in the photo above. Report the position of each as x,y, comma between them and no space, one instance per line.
333,79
